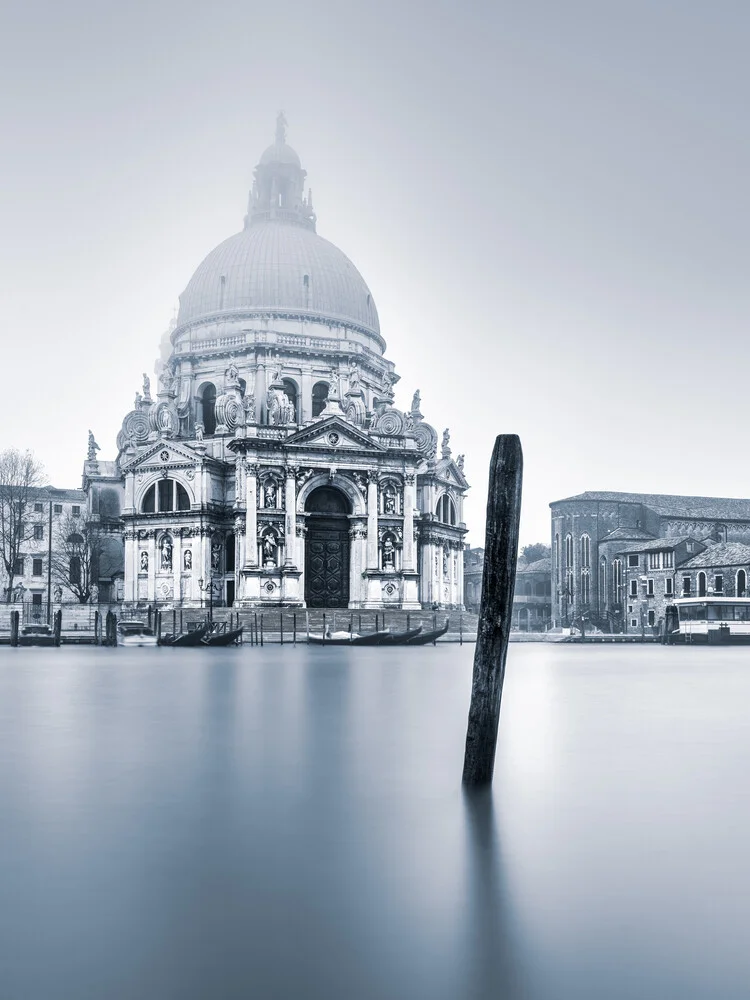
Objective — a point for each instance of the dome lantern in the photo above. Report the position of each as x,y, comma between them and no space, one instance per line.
278,186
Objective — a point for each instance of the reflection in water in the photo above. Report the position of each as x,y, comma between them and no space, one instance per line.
493,966
290,823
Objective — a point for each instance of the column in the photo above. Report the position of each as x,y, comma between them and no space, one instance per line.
251,516
261,409
409,562
290,503
372,520
151,566
177,565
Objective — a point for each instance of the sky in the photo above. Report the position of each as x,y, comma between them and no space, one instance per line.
547,200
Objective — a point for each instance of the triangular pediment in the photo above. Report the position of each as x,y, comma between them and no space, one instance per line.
449,472
334,434
164,454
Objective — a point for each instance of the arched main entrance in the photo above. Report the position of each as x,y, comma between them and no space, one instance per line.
327,549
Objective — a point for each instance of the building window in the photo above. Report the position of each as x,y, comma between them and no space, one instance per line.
741,583
634,622
654,560
603,583
689,546
687,585
568,551
38,532
557,557
630,609
617,580
585,587
319,398
667,560
652,618
208,408
164,496
57,508
585,552
75,510
446,510
38,508
701,584
719,584
649,588
633,562
633,588
37,568
668,586
18,567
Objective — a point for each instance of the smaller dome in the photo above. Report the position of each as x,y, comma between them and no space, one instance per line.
279,152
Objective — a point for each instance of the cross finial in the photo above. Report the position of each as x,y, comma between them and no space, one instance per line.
281,128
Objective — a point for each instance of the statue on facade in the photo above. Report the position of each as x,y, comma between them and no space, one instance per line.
232,374
144,562
187,559
388,552
269,494
199,430
389,502
166,552
146,387
138,401
92,449
248,405
416,401
269,548
216,557
354,377
460,463
446,439
57,598
280,407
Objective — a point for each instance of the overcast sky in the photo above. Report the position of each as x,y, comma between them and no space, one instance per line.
548,201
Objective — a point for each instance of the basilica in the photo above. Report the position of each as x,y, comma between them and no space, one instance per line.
269,463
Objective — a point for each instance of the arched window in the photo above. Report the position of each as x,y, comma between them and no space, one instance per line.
557,558
290,388
208,408
701,584
446,510
165,495
568,551
603,582
585,552
617,581
585,586
741,583
319,398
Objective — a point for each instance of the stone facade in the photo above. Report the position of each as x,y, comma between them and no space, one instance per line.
532,600
594,534
271,464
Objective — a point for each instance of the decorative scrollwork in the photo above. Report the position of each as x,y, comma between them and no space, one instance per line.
426,438
390,423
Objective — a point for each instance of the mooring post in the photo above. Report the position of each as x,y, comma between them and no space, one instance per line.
281,628
158,626
58,627
324,627
434,627
498,581
14,616
460,630
294,628
261,628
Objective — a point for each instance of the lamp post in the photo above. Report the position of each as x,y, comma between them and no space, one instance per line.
208,587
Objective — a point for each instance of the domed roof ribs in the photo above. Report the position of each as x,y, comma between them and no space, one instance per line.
278,187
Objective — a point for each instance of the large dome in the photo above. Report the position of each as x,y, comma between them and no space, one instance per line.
279,267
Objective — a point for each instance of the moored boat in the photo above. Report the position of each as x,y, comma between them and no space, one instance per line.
711,620
222,636
424,637
37,635
135,633
192,637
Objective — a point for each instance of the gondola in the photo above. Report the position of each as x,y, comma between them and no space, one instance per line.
401,638
190,638
135,633
223,637
347,638
424,637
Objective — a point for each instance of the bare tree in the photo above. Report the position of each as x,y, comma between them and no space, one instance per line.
21,477
77,555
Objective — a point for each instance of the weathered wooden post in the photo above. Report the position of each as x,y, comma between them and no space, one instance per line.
281,628
14,620
158,627
261,628
294,629
58,627
324,627
498,581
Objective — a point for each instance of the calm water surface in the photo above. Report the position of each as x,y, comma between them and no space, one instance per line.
289,823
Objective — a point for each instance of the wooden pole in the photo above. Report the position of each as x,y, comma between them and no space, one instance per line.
261,628
324,627
14,619
498,582
281,628
294,629
58,627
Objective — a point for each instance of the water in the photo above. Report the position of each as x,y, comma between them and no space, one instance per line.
289,823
